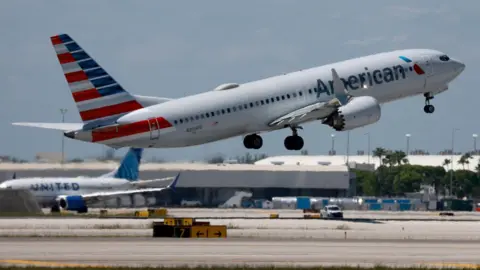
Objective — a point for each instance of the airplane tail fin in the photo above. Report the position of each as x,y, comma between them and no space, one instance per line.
173,184
98,96
129,167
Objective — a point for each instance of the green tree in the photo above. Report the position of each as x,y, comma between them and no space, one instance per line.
379,152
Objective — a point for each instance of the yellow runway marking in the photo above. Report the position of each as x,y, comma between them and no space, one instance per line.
455,265
50,264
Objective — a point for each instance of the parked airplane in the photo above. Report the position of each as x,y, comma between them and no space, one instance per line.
343,95
76,193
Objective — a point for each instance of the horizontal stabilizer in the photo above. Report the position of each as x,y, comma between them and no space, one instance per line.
57,126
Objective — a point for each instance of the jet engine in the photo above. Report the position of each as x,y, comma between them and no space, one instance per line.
72,203
358,112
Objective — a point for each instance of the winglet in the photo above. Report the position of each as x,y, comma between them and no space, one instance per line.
174,183
339,90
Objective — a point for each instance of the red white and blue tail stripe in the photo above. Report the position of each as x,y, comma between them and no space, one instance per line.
97,95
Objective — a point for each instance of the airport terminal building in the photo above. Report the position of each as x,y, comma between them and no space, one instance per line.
210,184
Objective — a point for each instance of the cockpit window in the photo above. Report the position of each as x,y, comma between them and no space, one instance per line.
444,58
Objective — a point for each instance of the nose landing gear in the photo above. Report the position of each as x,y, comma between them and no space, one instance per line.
428,108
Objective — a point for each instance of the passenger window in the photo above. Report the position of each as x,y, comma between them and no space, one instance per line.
181,121
240,107
272,99
196,117
234,109
300,93
208,115
294,95
257,103
261,102
228,110
288,96
245,106
278,98
223,111
175,122
213,114
267,101
191,118
283,97
310,91
251,104
218,112
186,120
202,116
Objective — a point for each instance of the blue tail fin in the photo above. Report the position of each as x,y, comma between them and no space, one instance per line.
129,167
174,182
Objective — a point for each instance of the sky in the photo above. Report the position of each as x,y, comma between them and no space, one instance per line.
177,48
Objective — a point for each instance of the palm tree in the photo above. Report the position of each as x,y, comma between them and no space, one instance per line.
380,152
464,159
446,162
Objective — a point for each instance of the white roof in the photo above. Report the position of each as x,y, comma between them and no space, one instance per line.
172,166
427,160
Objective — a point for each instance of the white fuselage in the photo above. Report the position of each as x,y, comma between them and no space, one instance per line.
248,108
46,190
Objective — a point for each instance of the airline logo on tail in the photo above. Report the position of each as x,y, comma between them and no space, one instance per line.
97,95
129,167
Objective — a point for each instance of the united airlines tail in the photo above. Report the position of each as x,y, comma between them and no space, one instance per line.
98,96
129,167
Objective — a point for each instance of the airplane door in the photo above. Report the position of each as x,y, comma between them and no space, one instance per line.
428,65
154,129
428,68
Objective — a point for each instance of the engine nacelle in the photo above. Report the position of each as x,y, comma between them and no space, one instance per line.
72,203
358,112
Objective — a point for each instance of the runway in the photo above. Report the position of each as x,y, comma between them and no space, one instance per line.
174,252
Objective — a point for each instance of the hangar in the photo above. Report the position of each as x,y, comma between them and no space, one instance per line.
214,184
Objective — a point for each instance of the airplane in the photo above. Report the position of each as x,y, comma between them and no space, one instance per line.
76,193
343,95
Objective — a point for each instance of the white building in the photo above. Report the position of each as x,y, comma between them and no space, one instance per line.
424,160
214,184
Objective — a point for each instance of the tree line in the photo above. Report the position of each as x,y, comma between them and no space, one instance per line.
396,177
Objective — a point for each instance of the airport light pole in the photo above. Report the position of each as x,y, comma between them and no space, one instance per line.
451,160
368,147
474,143
333,143
408,135
63,111
348,145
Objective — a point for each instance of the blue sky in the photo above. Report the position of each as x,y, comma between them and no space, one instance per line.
178,48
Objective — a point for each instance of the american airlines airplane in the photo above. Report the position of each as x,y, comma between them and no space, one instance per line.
343,95
76,193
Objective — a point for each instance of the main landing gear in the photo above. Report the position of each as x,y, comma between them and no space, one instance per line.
294,142
428,108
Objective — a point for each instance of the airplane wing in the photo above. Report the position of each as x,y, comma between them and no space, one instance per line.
101,196
57,126
95,197
319,110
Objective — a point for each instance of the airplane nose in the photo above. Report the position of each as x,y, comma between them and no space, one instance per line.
458,66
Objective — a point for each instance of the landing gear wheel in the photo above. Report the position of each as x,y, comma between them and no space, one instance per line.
294,142
55,209
429,108
253,141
